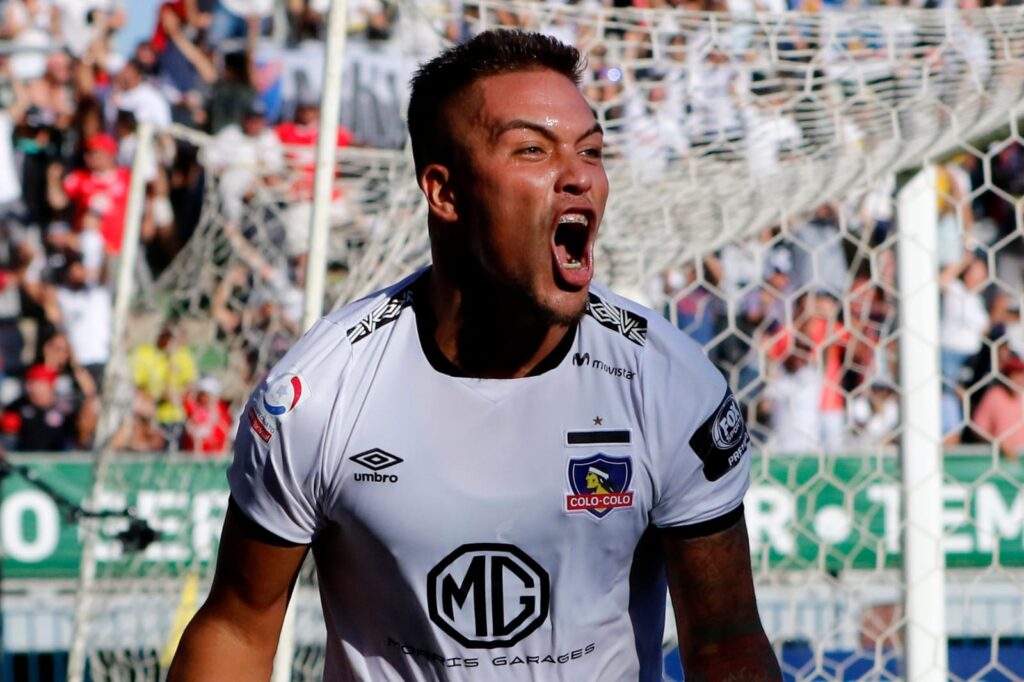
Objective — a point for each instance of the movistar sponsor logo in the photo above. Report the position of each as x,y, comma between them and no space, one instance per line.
584,360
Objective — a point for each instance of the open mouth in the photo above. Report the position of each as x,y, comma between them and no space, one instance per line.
571,245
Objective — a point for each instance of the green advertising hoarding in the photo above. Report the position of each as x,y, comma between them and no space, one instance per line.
819,513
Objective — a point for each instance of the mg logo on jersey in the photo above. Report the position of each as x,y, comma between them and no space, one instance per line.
599,483
488,595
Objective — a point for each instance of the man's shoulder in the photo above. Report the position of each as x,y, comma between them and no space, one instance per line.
619,315
361,319
640,325
672,361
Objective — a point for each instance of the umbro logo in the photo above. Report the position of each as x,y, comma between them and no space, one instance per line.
375,460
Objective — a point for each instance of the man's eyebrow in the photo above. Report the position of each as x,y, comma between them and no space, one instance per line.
520,123
594,129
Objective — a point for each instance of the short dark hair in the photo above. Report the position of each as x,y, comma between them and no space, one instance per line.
450,73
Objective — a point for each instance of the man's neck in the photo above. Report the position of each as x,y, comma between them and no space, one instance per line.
488,342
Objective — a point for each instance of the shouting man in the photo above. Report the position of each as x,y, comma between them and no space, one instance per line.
432,443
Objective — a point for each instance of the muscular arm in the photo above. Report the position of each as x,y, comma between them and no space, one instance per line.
720,633
234,635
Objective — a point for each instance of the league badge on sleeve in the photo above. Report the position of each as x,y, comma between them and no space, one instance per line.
271,402
599,483
722,439
284,394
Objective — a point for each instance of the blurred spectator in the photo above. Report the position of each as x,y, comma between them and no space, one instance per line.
955,216
140,431
30,15
660,290
183,65
208,423
230,18
1000,416
36,420
84,312
305,20
164,371
74,386
771,134
965,317
37,143
298,138
1007,169
53,94
791,401
137,95
1014,325
764,308
818,321
10,183
819,262
84,22
14,260
246,157
101,188
371,18
877,209
693,304
876,415
964,322
979,376
231,94
260,308
657,133
714,84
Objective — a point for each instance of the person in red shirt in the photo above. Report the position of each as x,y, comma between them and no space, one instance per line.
818,324
301,134
100,188
299,138
207,420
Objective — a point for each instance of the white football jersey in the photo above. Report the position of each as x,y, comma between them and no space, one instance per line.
490,529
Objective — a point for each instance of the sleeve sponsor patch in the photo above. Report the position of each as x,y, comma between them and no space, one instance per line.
722,439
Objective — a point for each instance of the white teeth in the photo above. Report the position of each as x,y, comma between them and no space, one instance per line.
572,265
575,218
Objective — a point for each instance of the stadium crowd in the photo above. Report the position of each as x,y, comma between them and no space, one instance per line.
802,316
804,319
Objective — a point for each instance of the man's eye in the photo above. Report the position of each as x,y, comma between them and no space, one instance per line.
532,149
593,152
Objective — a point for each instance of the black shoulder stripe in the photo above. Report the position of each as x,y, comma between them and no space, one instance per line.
626,323
384,314
705,528
722,439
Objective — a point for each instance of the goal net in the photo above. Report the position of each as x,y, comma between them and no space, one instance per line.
755,161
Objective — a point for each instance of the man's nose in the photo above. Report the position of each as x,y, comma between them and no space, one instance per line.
576,176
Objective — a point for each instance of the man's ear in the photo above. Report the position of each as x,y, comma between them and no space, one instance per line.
438,187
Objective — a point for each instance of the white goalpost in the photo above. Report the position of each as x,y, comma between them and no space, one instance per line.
753,161
921,444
